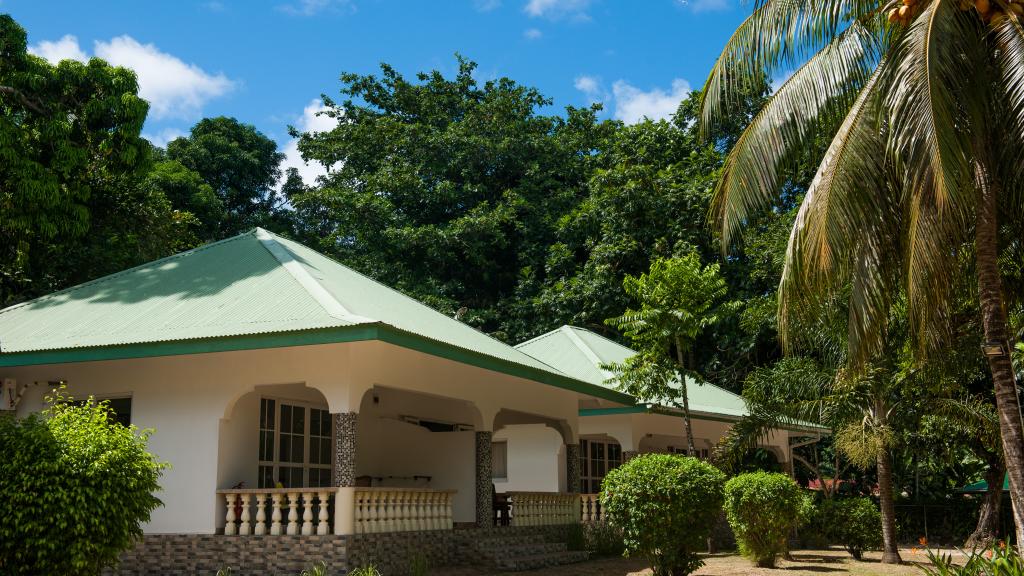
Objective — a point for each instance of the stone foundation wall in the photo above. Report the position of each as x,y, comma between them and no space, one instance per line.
392,553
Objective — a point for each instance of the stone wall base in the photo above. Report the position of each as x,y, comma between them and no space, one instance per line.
393,553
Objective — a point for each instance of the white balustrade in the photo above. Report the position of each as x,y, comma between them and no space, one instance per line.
291,511
543,508
400,510
304,511
590,508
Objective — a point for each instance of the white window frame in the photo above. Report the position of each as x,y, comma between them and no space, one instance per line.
276,463
586,473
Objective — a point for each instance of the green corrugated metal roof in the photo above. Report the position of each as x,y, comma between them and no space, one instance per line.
580,353
252,284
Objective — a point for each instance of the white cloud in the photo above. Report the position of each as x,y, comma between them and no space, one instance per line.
591,87
633,104
172,87
163,136
706,5
309,121
64,49
486,5
556,9
532,34
313,7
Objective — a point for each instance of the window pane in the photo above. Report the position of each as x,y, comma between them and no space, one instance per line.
299,420
286,418
266,477
325,451
120,410
298,452
286,449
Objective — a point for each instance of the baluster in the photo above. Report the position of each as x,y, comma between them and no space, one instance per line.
307,513
435,511
245,528
261,515
449,514
275,514
359,498
229,519
416,499
322,527
372,512
293,514
405,511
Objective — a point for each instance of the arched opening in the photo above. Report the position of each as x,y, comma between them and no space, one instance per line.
274,435
529,452
407,439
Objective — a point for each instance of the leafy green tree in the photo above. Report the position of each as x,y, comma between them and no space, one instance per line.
449,189
924,106
678,299
188,192
241,165
66,133
75,489
665,506
853,523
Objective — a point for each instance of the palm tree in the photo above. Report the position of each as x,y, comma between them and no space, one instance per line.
924,103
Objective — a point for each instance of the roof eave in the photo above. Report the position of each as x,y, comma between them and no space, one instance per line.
361,332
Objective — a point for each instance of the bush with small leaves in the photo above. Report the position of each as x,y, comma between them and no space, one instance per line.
763,508
855,523
75,489
665,506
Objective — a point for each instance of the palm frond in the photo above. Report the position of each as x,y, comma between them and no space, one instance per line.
1008,36
845,220
779,34
827,83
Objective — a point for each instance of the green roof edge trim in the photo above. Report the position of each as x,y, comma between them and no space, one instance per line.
356,333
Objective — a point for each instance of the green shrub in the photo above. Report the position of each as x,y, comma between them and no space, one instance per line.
665,506
997,561
75,488
370,570
763,508
854,523
812,524
603,539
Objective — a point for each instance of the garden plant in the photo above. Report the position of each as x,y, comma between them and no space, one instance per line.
665,506
763,508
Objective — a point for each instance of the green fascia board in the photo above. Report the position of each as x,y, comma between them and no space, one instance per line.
362,332
614,410
666,411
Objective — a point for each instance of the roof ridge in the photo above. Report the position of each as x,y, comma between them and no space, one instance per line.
306,281
88,283
405,296
587,351
538,338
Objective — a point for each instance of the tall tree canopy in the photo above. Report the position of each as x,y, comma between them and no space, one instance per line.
240,164
71,163
447,188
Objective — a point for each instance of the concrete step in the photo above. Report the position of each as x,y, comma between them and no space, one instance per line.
534,562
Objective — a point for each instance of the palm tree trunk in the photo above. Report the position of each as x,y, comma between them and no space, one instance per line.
890,550
987,531
993,316
690,450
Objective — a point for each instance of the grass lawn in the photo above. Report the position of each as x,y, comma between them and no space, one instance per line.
805,563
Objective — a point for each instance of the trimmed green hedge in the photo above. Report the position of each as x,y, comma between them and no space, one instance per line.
665,506
763,508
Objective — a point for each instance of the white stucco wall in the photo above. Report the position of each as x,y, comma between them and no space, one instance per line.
190,400
536,459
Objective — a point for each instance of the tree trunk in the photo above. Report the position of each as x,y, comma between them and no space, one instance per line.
690,450
993,316
890,550
987,531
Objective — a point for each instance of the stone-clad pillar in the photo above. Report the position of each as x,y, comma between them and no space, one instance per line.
572,468
345,448
484,482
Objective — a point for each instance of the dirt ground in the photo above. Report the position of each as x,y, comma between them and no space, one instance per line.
804,563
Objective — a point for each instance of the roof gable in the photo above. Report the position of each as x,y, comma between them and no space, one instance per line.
580,353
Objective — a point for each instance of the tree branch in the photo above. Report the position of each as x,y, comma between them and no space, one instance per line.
33,106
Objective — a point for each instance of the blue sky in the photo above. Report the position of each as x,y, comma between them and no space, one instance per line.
267,62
